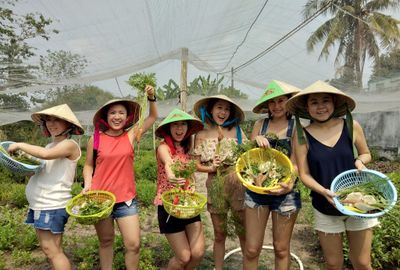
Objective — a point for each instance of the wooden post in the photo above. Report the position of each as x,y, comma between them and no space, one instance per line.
183,86
232,77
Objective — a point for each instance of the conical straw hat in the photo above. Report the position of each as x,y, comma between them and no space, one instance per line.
132,107
63,112
176,115
274,89
235,109
297,104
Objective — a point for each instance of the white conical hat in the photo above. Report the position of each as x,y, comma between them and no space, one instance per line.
297,103
63,112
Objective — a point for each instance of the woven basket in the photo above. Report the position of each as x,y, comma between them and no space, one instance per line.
97,195
257,156
182,211
353,177
16,166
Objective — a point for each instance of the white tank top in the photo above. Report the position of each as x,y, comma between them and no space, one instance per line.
51,187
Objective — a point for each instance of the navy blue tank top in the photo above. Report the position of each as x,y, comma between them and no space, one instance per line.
325,163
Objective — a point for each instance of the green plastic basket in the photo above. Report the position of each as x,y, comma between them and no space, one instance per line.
96,195
183,211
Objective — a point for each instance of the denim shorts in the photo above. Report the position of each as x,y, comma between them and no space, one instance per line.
339,224
283,204
49,220
122,209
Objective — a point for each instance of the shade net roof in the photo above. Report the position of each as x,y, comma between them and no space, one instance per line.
260,40
125,36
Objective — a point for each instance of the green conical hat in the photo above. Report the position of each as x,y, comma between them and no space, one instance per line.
176,115
274,89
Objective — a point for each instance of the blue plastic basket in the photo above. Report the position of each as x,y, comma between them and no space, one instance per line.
16,166
353,177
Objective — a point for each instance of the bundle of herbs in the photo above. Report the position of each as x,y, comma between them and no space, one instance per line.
365,198
139,82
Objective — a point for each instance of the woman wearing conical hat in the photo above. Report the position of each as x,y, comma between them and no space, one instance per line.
284,204
213,145
109,166
324,149
49,190
185,236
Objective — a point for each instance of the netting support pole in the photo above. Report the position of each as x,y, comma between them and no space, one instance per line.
232,77
183,86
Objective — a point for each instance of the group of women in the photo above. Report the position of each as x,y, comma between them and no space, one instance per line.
327,146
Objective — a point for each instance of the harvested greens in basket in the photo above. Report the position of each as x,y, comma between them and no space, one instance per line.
90,206
264,171
22,157
364,197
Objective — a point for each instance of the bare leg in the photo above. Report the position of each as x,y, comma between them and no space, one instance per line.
106,235
282,228
219,240
332,247
256,222
51,246
360,249
130,231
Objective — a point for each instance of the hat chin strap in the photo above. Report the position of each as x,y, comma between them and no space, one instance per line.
65,132
205,115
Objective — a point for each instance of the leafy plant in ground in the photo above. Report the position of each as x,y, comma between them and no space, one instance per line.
13,194
146,191
14,234
22,257
145,166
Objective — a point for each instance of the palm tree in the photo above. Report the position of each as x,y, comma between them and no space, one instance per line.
359,30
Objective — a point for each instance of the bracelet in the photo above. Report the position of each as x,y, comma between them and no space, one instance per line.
152,99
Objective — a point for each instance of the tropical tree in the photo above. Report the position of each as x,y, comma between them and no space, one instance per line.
358,30
15,30
79,98
205,86
388,65
61,65
14,102
232,92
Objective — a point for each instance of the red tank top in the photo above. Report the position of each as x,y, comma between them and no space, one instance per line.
114,167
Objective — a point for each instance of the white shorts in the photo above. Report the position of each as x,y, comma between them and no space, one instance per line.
339,224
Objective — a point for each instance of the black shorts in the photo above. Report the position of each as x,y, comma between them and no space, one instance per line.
174,224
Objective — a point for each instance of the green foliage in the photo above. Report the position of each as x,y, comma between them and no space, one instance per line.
14,194
146,191
388,65
22,257
85,252
232,92
16,29
14,102
23,131
354,41
14,234
140,80
146,166
2,261
78,98
61,64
